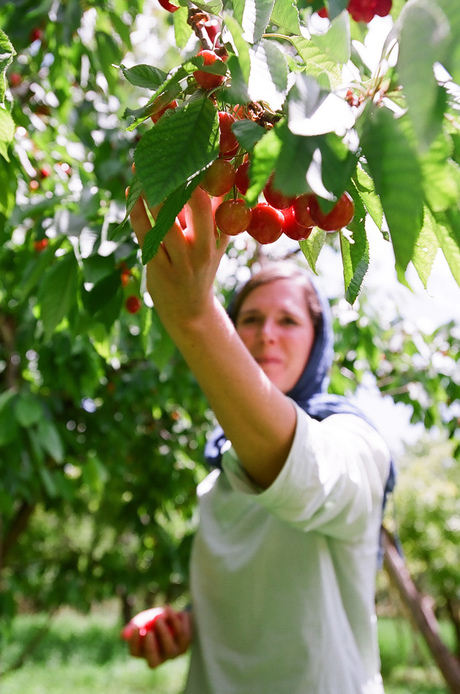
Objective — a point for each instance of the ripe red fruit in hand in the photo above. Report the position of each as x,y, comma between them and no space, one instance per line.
219,178
276,198
266,223
228,144
133,304
301,210
208,80
340,215
148,626
233,217
242,177
292,228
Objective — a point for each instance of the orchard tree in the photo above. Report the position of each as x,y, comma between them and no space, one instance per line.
270,105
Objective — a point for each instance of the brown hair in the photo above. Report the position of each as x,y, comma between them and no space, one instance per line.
279,271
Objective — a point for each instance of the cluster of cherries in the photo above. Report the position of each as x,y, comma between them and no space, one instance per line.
365,10
294,216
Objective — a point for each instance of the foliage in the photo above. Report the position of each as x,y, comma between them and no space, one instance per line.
428,517
312,114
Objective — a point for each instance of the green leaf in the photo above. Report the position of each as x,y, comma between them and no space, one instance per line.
447,230
8,422
311,247
268,77
240,44
50,440
426,248
6,56
57,293
441,176
423,30
28,410
109,56
248,133
7,128
182,29
212,7
253,17
397,176
355,254
336,42
371,201
286,16
166,216
317,64
293,161
144,76
263,162
336,7
180,145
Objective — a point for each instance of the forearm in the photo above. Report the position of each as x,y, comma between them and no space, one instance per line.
257,418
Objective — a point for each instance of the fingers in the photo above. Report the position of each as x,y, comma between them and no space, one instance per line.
168,637
140,220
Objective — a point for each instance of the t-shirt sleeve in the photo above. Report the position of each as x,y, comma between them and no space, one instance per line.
332,480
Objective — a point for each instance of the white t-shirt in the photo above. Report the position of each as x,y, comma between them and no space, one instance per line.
282,579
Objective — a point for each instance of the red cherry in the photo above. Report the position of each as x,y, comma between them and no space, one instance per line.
208,80
44,171
301,210
292,228
228,144
337,218
148,626
362,10
15,79
35,35
156,116
168,6
383,8
219,178
277,199
266,223
242,177
40,244
125,277
233,217
323,12
133,304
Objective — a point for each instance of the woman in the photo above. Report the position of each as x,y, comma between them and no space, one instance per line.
284,560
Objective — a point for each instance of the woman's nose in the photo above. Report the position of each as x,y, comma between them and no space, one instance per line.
268,330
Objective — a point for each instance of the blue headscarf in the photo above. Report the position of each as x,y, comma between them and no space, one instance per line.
310,391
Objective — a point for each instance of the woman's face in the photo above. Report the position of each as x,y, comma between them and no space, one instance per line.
276,328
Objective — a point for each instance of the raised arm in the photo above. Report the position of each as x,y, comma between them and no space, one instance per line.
256,416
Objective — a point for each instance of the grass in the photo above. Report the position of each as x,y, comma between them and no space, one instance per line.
83,653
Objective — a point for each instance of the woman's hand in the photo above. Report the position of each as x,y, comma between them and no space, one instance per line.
158,634
180,277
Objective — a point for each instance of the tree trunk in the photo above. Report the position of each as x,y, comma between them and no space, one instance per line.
419,606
